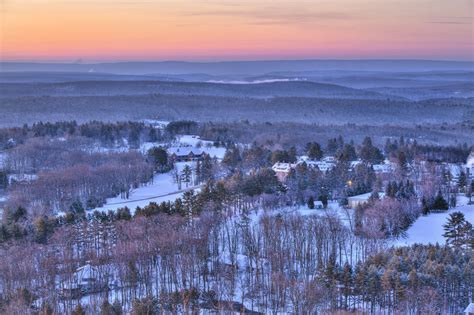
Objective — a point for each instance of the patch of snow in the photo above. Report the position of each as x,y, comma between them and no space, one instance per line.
162,188
256,81
157,124
22,178
429,229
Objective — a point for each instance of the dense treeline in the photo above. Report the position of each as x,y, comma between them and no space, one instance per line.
296,134
105,134
29,109
239,243
268,263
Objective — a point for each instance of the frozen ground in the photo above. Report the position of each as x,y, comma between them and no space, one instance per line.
163,188
333,209
429,229
204,145
189,141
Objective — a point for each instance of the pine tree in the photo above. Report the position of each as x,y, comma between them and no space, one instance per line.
457,230
347,283
311,202
440,203
187,173
314,151
462,180
41,230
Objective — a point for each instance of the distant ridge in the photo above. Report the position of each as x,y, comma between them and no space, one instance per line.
238,67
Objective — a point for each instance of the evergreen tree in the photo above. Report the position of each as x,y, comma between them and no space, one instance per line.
41,230
77,207
314,151
346,283
440,203
324,199
186,174
462,180
159,158
457,230
311,202
3,180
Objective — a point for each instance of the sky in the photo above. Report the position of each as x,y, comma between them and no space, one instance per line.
211,30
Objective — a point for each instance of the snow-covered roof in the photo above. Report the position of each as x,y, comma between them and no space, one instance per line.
469,309
184,151
355,163
470,160
454,169
318,203
364,197
382,168
323,165
283,167
86,272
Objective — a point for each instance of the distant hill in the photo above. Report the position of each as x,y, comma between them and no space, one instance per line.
19,110
261,90
240,67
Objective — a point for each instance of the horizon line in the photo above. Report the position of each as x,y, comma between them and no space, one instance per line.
107,61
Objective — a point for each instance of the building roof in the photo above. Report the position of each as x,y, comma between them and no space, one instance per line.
469,309
470,160
184,151
282,167
364,197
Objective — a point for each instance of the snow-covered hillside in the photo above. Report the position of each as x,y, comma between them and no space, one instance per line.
429,229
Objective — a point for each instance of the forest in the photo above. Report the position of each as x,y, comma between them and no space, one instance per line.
237,240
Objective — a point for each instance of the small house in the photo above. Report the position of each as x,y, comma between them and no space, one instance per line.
469,309
318,205
469,166
355,201
185,154
282,170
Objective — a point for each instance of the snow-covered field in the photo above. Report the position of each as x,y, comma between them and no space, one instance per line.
333,210
429,229
162,188
189,141
204,145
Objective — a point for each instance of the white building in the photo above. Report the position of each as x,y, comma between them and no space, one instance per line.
282,170
469,167
318,204
469,309
324,165
355,201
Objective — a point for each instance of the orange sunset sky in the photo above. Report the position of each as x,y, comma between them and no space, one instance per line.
94,30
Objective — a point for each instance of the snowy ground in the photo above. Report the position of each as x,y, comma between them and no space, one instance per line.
204,145
429,229
333,209
163,188
189,141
